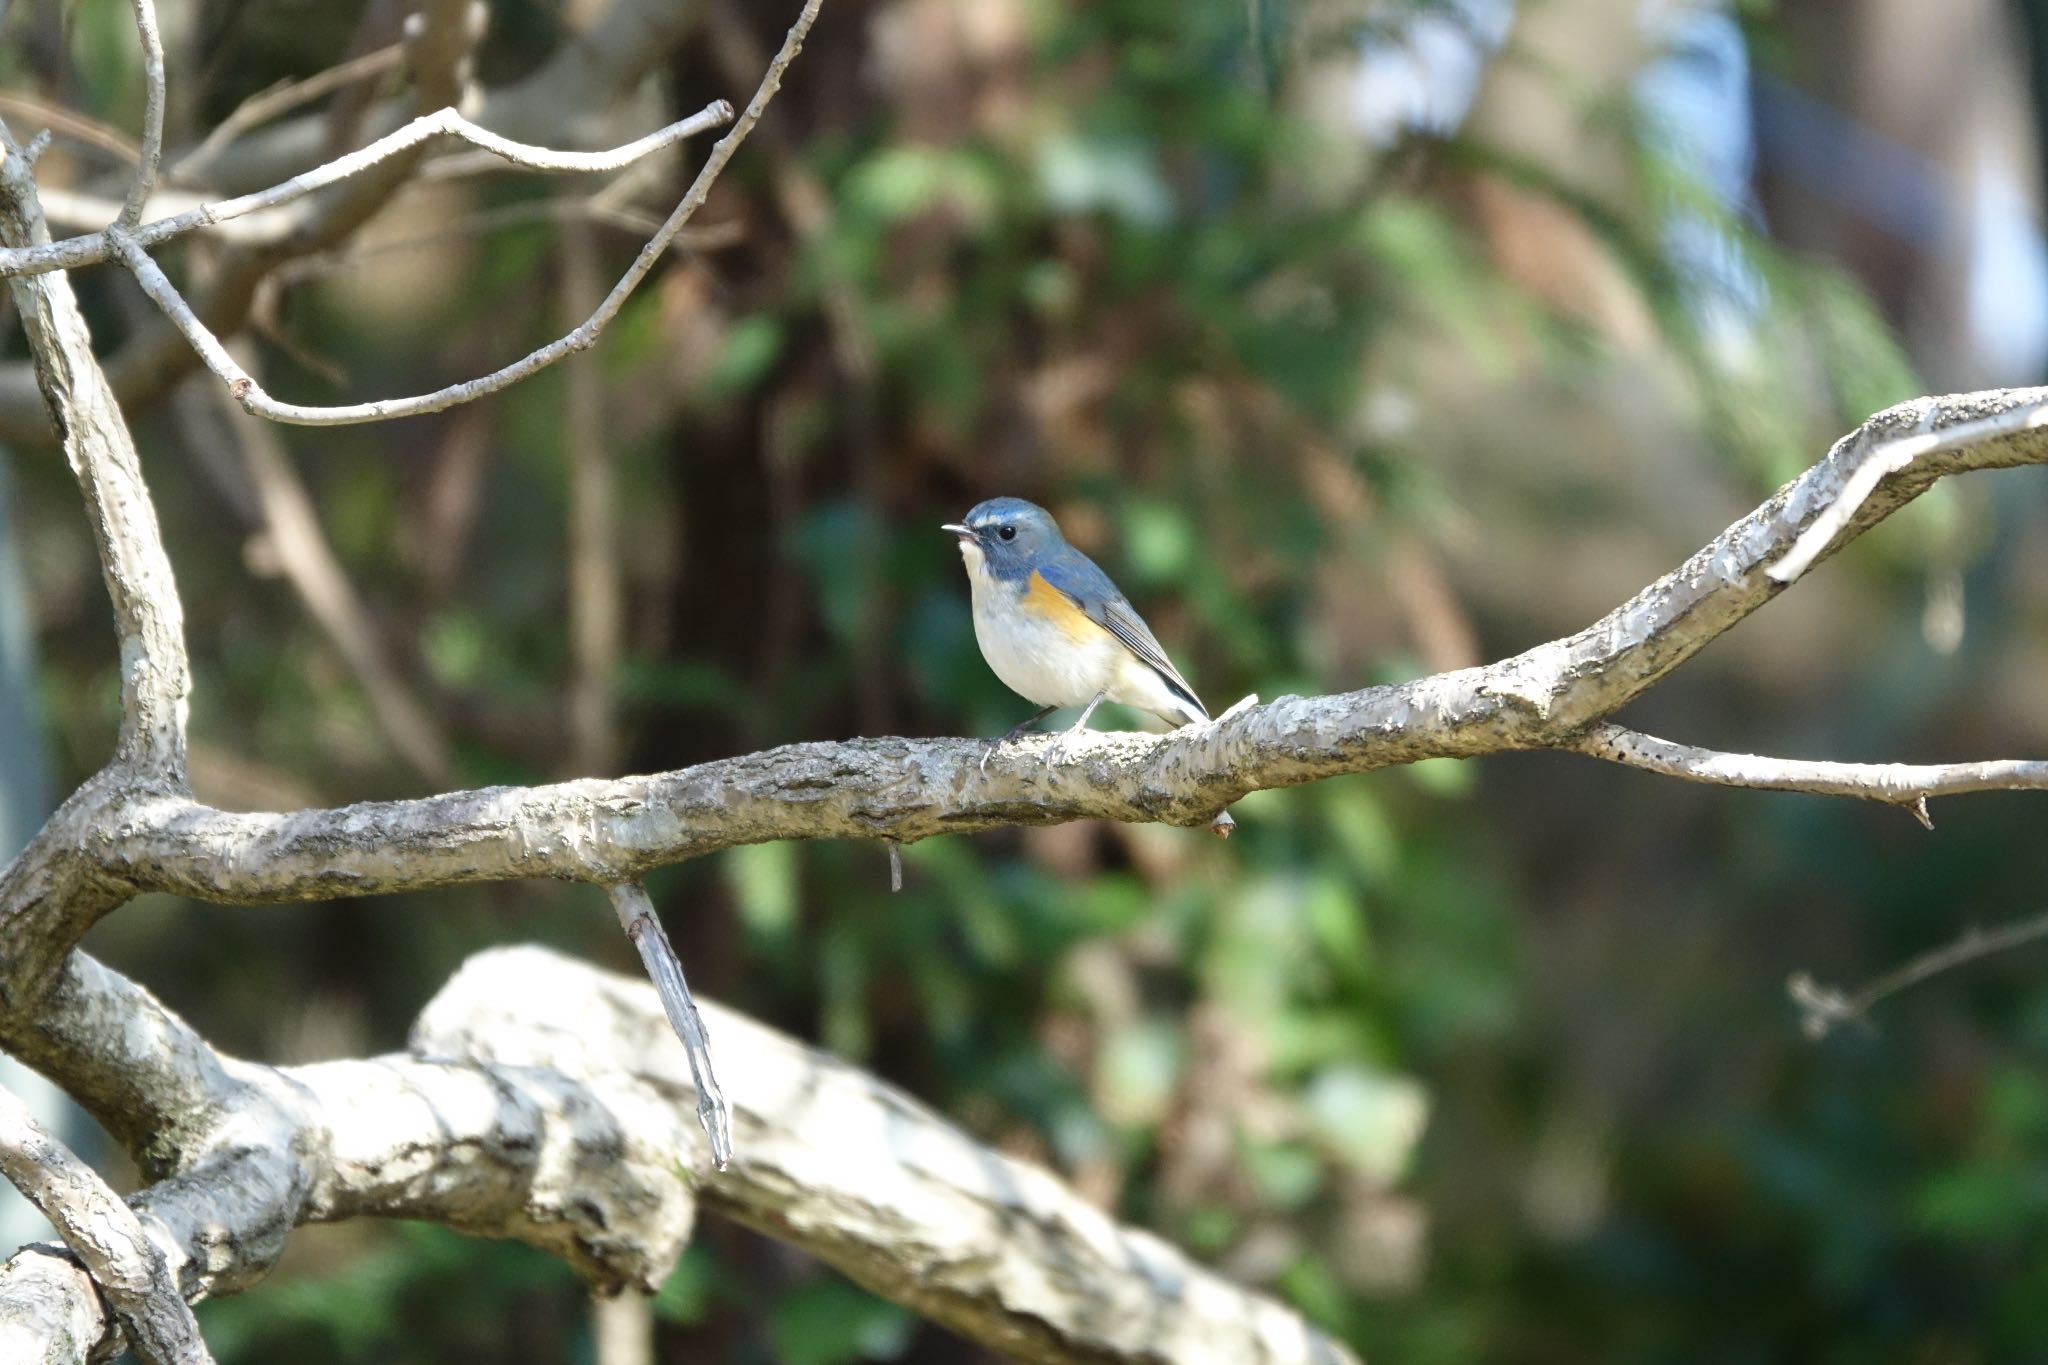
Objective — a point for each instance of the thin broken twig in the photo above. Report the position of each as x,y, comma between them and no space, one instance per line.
636,917
1823,1008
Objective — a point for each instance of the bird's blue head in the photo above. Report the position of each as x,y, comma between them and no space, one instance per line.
1009,535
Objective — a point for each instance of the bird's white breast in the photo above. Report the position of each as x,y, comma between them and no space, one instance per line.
1035,657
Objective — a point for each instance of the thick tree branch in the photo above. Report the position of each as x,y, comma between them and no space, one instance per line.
548,1101
831,1160
1894,457
907,789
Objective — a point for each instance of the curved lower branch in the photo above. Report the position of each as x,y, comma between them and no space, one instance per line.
829,1159
542,1099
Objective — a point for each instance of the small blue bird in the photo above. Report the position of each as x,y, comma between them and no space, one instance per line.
1055,629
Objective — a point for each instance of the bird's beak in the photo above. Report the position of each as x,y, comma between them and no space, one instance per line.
965,534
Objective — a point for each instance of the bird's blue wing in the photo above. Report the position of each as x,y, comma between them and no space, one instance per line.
1090,589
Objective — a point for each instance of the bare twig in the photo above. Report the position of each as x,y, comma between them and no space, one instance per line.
104,1234
1897,784
156,356
281,98
152,115
72,124
665,970
568,100
251,395
116,242
1824,1008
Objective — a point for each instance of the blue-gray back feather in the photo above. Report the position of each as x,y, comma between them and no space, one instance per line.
1090,589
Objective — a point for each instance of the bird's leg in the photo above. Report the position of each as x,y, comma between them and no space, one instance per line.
1063,748
1036,716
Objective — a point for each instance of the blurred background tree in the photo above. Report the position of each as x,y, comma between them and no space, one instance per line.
1360,339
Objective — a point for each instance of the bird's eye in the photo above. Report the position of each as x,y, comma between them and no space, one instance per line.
1007,532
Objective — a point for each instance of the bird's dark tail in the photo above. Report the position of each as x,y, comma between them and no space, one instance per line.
1190,711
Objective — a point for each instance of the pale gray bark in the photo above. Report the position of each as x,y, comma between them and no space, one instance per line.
105,1236
544,1100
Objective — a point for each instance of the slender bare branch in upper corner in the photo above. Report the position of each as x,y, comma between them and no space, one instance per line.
104,1234
128,248
93,247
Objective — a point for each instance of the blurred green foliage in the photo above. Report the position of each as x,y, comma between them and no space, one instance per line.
1472,1062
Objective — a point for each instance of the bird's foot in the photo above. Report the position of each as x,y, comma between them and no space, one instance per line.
1064,748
